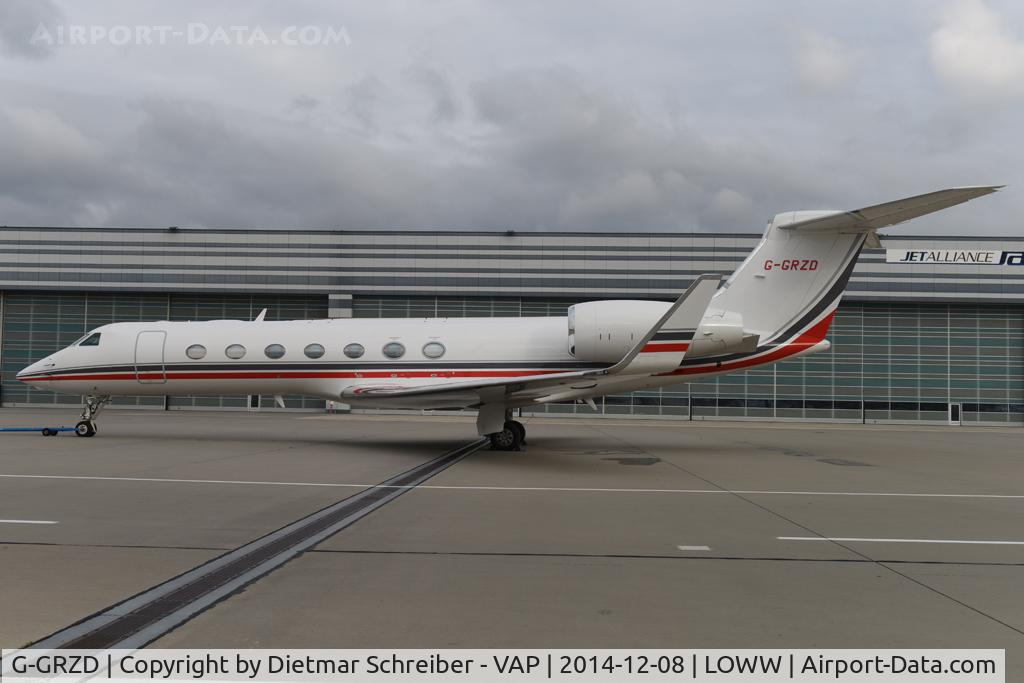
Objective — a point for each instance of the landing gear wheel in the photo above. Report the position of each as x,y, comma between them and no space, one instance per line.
92,407
505,440
519,429
85,428
47,432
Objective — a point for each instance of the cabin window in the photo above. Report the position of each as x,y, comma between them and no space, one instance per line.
354,350
235,351
433,349
274,351
196,351
394,350
91,340
314,351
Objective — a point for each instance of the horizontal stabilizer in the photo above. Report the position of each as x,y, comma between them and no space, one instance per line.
890,213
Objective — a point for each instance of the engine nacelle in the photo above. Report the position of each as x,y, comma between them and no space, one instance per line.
603,331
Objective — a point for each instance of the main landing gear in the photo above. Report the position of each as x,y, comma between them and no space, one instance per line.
510,438
494,420
91,409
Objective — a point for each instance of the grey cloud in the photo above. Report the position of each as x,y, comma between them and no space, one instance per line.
556,155
362,101
512,124
51,171
570,159
445,105
28,28
608,167
976,53
823,64
207,168
304,103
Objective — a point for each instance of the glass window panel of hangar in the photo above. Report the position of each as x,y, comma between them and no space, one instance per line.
891,355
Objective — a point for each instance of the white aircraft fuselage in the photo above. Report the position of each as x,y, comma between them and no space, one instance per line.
777,305
150,358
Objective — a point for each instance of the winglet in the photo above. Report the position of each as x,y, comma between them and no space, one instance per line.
665,344
259,318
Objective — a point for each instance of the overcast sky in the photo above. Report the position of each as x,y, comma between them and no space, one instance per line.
599,115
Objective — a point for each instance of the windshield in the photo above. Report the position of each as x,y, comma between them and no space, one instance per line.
92,340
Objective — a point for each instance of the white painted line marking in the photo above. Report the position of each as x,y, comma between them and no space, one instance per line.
693,547
555,489
896,540
26,521
594,421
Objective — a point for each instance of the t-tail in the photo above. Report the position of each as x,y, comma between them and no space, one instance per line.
784,295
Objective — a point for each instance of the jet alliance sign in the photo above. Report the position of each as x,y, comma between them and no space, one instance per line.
956,256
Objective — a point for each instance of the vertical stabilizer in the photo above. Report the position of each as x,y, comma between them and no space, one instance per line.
791,283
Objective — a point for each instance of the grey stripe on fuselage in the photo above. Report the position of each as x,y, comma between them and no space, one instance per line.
354,366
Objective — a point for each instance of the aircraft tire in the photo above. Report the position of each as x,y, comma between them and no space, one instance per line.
519,428
505,440
85,428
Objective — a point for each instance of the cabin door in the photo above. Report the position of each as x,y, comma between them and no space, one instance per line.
149,357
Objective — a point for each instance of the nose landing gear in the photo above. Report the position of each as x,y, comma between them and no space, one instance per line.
91,409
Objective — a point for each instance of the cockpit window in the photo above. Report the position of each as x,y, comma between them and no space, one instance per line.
91,340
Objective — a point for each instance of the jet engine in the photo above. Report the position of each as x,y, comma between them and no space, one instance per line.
603,331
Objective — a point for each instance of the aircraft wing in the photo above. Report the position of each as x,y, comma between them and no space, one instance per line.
520,390
660,350
890,213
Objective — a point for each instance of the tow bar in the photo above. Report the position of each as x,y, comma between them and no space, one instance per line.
45,431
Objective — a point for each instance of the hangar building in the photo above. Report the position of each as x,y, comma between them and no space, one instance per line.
912,341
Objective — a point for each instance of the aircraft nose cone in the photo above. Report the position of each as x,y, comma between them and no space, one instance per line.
34,369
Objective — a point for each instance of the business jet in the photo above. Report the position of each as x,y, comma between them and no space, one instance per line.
777,305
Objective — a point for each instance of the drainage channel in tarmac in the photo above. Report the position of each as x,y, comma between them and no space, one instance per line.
146,616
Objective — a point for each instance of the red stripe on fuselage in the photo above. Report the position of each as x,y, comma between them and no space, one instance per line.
295,374
653,347
813,335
